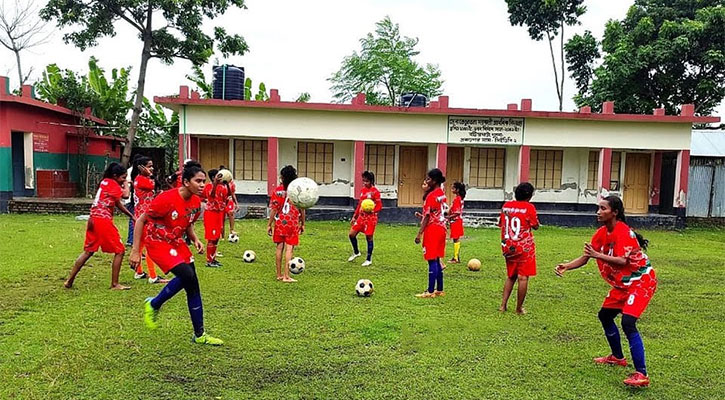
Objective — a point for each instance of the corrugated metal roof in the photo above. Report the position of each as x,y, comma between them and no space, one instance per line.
708,143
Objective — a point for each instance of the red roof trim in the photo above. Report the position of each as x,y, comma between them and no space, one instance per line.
47,106
170,101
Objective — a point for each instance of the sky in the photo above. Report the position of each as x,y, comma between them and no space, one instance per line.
295,46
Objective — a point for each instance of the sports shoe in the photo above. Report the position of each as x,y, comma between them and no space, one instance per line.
218,254
139,276
206,339
637,379
454,261
611,360
150,314
353,257
158,279
367,263
425,295
439,293
214,264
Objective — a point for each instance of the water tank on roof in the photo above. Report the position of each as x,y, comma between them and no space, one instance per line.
228,82
413,100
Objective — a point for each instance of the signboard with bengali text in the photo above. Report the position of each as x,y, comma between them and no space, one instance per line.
506,131
40,142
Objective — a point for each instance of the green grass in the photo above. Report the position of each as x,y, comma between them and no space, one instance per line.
316,339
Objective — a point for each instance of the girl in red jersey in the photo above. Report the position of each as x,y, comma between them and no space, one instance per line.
231,206
100,230
170,215
144,190
455,216
365,221
216,195
433,231
286,223
622,263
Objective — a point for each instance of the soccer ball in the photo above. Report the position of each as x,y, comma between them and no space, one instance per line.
226,175
474,264
249,256
367,205
296,265
364,288
303,192
233,238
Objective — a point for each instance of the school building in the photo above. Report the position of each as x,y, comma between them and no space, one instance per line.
572,158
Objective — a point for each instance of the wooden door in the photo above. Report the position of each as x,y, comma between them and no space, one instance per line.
636,183
454,170
413,167
213,153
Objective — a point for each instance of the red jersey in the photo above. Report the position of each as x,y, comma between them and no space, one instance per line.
143,194
435,208
457,208
517,220
373,194
109,192
216,196
288,216
169,215
621,242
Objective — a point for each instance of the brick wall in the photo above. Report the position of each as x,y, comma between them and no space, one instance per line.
80,206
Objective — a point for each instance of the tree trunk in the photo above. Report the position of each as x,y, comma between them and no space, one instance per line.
20,69
553,63
561,52
138,103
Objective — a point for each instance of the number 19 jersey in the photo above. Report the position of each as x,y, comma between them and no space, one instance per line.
517,220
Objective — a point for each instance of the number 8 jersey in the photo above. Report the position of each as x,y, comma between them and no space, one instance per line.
517,220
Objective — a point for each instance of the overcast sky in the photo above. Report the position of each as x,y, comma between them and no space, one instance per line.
296,45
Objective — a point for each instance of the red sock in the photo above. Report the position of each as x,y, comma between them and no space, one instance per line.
210,251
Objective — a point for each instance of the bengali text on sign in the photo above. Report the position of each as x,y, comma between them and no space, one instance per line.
486,130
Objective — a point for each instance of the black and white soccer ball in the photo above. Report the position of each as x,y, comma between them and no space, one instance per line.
249,256
233,238
364,288
296,265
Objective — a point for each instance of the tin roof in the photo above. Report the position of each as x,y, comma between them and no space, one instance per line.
708,143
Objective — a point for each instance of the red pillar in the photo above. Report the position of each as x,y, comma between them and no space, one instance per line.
194,146
656,179
272,164
524,161
681,178
604,176
182,150
359,167
442,157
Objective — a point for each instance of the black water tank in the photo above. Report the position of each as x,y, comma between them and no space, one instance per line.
228,82
413,100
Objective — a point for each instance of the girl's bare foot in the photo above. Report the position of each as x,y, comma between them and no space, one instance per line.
288,280
521,311
279,278
502,309
119,287
68,284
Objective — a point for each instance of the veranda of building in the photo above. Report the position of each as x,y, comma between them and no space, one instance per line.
572,158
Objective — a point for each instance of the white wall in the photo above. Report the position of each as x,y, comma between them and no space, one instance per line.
342,171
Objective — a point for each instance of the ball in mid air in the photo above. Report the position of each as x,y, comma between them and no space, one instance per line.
303,192
367,205
225,175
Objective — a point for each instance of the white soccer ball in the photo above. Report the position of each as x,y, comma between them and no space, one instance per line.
226,175
303,192
296,265
249,256
364,288
233,238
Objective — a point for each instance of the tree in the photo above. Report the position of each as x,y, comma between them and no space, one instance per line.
167,29
20,31
547,18
384,69
662,54
581,52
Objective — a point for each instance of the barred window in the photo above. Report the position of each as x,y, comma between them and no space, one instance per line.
380,160
314,160
487,167
545,168
615,170
593,173
250,160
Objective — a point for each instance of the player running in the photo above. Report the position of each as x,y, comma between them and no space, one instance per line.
365,221
286,223
216,195
518,219
622,263
455,216
433,231
100,230
170,215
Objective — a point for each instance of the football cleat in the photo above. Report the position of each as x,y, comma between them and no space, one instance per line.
637,379
206,339
611,360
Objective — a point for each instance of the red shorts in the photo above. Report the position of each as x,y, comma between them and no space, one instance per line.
231,207
365,224
633,300
521,268
102,233
457,229
434,242
168,256
213,224
292,240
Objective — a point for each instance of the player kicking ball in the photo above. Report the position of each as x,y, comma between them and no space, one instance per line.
286,223
365,220
622,263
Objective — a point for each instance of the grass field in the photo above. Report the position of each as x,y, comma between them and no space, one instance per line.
316,339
